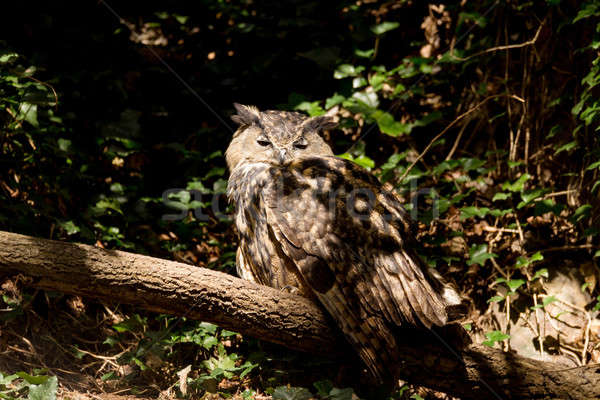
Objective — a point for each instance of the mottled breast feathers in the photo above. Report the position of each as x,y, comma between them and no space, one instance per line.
325,226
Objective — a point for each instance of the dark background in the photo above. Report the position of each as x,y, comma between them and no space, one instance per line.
93,166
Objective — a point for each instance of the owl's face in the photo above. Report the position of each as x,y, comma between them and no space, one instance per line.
275,137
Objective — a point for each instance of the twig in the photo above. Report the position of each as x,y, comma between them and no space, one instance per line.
568,247
497,268
47,85
519,229
451,125
587,340
505,47
573,306
502,230
555,194
572,352
537,320
457,141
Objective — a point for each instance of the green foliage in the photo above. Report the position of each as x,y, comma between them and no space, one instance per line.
500,183
494,337
325,391
478,254
36,387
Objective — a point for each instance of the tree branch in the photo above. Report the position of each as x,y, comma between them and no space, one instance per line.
271,315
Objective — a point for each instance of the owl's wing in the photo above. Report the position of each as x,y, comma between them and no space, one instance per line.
350,241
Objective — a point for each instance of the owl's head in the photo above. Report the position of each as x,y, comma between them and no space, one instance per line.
275,136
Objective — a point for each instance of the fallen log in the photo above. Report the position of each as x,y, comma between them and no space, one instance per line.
474,372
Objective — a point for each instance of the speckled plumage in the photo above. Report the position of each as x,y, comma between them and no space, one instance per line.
326,227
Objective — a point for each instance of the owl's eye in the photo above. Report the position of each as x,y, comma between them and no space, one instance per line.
263,142
301,144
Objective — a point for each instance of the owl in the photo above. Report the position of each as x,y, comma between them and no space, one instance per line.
325,228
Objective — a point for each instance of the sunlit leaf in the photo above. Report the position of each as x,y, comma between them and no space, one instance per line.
478,254
517,185
471,211
389,126
495,299
334,101
28,112
347,70
364,53
384,27
44,391
514,284
495,336
540,273
501,196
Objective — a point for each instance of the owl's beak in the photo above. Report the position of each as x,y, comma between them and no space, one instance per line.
282,156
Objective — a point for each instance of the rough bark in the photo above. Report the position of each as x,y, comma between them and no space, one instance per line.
475,372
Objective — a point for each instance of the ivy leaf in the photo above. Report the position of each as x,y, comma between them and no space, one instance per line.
478,254
312,108
384,27
514,284
291,393
581,213
388,125
501,196
367,97
28,112
32,379
323,387
359,81
549,300
593,165
524,261
364,162
69,227
529,196
471,211
377,81
334,101
540,273
347,70
209,342
517,185
537,256
7,380
361,160
341,394
590,9
495,336
496,299
566,147
4,58
44,391
364,53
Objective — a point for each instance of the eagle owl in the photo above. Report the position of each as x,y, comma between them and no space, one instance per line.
326,228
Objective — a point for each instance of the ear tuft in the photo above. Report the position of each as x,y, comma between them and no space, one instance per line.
322,122
246,115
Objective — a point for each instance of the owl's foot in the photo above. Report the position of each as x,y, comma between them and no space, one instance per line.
290,289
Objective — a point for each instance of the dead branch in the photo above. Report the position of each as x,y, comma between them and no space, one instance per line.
169,287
